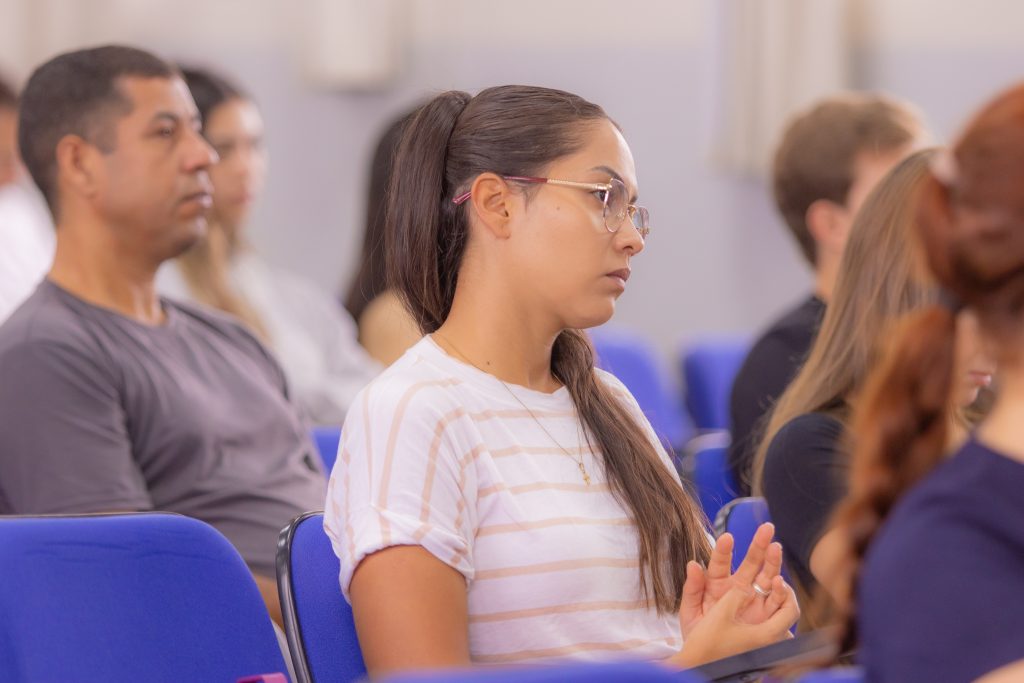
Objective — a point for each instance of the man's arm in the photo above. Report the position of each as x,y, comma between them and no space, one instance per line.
63,433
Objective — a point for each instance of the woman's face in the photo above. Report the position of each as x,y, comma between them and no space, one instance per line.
567,263
974,364
235,130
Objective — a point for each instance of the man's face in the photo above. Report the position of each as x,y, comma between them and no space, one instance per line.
153,188
9,163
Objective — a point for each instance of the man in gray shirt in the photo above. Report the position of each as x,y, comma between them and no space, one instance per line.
112,398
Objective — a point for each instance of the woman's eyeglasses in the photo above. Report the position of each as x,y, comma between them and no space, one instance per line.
613,195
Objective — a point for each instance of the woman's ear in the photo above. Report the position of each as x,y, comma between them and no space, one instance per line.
493,203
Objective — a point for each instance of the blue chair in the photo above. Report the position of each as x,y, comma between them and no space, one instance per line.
317,618
705,465
634,361
741,517
709,367
327,440
843,674
618,672
128,598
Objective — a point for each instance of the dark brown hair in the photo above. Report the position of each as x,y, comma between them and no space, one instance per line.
370,280
8,95
520,130
816,156
971,223
77,93
205,266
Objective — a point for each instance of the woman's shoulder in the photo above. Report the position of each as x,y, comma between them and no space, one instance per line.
386,329
807,430
416,368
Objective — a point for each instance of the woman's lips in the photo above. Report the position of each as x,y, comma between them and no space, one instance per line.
621,275
980,378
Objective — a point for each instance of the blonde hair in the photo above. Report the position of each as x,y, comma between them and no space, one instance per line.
204,267
881,277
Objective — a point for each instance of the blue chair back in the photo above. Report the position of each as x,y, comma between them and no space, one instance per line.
709,367
128,598
327,440
618,672
634,361
706,466
843,674
741,517
317,618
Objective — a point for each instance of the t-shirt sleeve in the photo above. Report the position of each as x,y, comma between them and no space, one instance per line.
63,434
804,480
404,476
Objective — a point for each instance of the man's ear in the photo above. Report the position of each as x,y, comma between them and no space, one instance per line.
78,165
828,223
493,202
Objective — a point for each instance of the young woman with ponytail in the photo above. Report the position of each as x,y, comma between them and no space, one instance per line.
802,464
497,499
934,545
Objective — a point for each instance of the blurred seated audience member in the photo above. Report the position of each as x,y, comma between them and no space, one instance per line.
386,329
829,158
933,542
311,335
802,464
112,397
26,231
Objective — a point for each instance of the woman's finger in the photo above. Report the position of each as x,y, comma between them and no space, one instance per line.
754,558
771,568
778,596
720,563
693,590
787,609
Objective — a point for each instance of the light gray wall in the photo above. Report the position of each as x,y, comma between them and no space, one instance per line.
718,259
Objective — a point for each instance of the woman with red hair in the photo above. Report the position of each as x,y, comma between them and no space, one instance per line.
937,574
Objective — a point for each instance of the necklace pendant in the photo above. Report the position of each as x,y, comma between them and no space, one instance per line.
583,471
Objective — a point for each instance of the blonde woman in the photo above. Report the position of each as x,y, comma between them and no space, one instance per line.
801,465
310,334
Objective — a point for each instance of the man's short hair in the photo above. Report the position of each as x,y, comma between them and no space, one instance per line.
816,156
77,93
8,95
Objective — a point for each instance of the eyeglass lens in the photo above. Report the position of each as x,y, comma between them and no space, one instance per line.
616,208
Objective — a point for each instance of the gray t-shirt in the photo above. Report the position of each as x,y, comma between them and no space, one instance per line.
101,413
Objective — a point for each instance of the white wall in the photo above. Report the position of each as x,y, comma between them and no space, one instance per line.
717,260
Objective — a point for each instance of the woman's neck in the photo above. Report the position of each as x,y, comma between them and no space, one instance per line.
1003,427
491,332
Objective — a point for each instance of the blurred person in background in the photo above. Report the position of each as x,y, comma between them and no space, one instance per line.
113,398
828,160
312,336
802,464
386,329
26,231
933,542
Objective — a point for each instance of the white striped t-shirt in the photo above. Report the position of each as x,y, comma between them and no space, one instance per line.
436,453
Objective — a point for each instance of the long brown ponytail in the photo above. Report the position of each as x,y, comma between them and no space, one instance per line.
519,130
970,217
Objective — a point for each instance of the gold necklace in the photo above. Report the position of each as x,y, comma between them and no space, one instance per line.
579,463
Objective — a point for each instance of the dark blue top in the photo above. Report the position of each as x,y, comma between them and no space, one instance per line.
771,365
942,591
